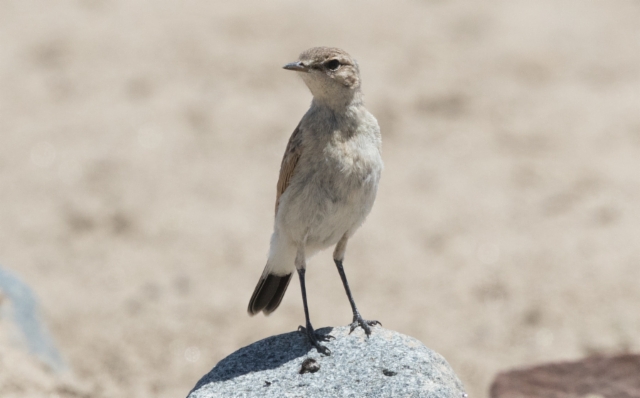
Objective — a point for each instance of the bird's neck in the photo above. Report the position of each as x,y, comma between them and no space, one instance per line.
343,118
340,102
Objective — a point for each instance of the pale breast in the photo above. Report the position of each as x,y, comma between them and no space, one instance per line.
334,186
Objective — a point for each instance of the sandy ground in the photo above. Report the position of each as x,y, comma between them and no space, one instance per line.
140,147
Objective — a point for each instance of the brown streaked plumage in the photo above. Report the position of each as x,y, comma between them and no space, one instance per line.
288,165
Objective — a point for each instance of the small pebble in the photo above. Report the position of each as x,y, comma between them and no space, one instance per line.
309,366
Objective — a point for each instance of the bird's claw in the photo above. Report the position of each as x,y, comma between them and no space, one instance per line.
315,338
363,323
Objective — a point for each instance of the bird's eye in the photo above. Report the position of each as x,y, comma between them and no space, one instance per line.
332,65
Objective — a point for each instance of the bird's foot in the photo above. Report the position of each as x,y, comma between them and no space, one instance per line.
315,338
363,323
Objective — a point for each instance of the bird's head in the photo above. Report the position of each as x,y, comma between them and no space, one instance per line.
330,73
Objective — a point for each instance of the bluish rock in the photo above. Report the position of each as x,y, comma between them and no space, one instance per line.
21,309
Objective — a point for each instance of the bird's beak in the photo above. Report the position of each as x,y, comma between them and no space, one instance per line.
296,66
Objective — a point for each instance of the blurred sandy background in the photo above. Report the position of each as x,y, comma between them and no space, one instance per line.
139,153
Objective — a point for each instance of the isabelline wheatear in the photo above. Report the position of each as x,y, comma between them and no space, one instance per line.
328,182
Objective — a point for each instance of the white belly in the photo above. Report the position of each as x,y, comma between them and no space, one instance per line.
320,207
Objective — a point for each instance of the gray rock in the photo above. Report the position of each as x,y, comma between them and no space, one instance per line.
388,364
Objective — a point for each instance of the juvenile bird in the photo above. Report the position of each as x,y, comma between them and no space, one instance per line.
327,185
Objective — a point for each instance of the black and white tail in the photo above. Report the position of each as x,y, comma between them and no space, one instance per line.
268,293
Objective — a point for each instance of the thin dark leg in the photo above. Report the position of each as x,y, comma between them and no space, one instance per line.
308,330
357,318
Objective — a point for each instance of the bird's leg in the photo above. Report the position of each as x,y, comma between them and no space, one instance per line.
357,318
338,256
308,330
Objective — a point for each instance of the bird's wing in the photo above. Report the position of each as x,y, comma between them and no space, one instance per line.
289,162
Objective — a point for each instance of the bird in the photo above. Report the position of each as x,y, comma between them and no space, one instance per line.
327,185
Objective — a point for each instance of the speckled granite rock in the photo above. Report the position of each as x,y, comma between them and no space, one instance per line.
388,364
